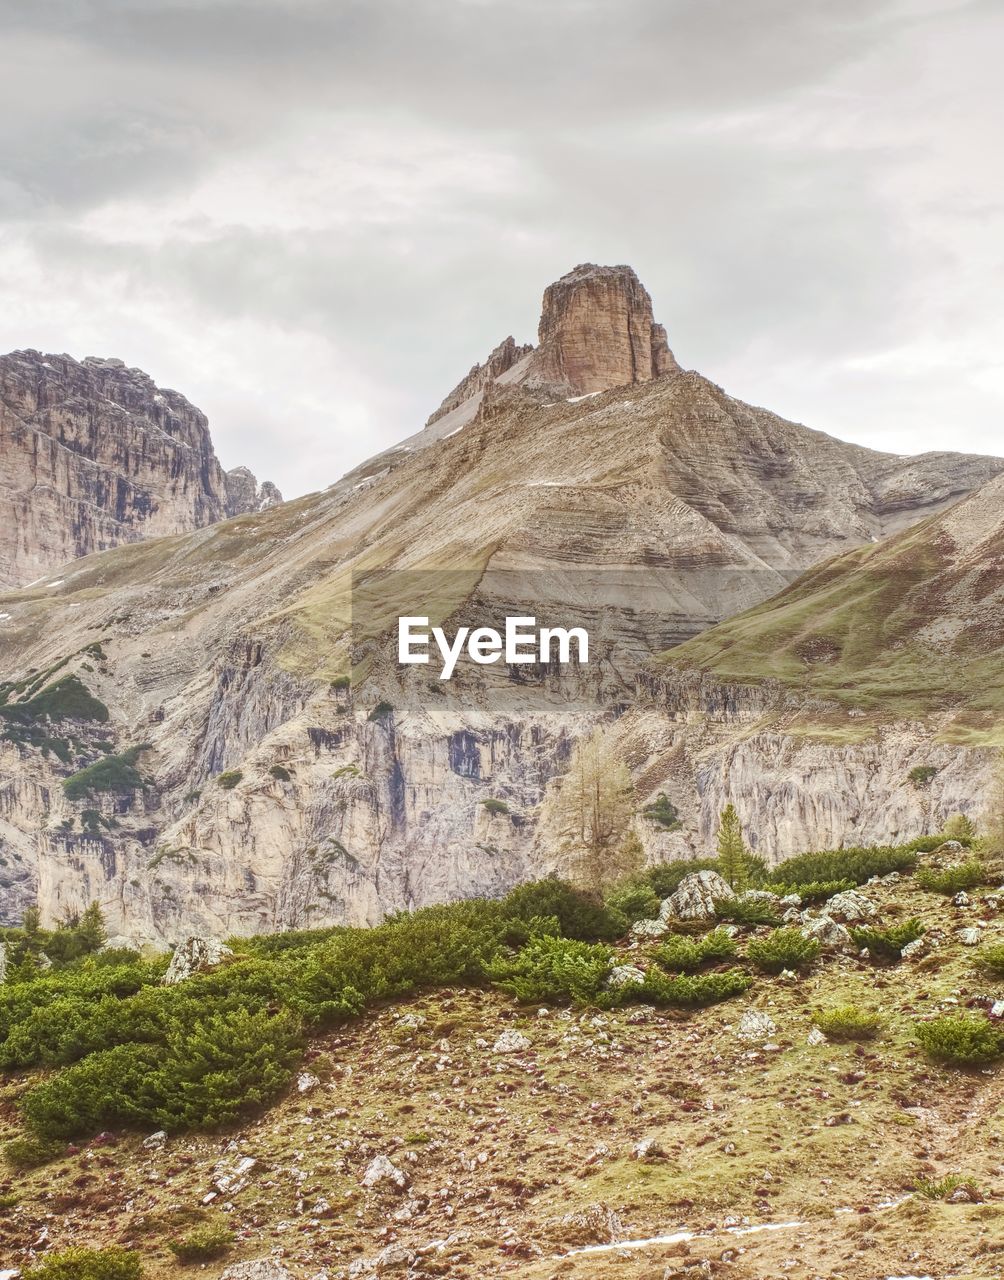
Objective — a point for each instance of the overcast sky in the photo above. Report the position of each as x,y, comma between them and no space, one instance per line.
312,216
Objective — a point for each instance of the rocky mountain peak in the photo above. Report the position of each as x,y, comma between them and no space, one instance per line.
96,454
597,332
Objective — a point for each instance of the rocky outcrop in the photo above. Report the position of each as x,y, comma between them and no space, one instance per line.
597,332
94,455
195,955
505,357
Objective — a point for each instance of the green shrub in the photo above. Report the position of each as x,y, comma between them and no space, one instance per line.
117,774
886,944
635,902
942,1188
229,779
204,1243
382,711
746,911
495,806
992,959
783,949
967,875
922,774
855,864
959,827
662,812
811,891
555,970
847,1022
80,1263
680,954
341,682
579,914
30,1153
279,772
690,990
65,699
961,1040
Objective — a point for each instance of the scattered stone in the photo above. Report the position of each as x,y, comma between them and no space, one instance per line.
695,897
260,1269
648,1149
596,1224
155,1140
997,1009
949,846
969,937
915,948
850,907
649,928
381,1171
195,955
830,935
792,916
511,1042
761,895
410,1022
815,1037
754,1025
964,1195
962,899
306,1082
623,975
791,900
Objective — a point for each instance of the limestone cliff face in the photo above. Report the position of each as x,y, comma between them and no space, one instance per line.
93,454
268,793
597,332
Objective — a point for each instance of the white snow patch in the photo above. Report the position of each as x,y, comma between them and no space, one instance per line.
4,617
588,396
677,1236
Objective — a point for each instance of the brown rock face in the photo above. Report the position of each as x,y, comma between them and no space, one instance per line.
93,454
597,332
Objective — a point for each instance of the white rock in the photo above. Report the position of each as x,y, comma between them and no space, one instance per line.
648,1149
511,1042
155,1140
306,1083
997,1009
830,935
754,1025
815,1036
914,948
623,975
382,1171
260,1269
962,899
695,897
195,955
969,937
850,906
649,928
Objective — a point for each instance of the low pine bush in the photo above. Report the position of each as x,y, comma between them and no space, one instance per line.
680,954
811,891
847,1022
886,944
967,875
634,902
80,1263
203,1244
579,914
783,949
553,970
961,1040
746,911
857,865
689,991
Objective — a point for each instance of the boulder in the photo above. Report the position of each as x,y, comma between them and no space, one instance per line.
650,928
754,1025
623,975
511,1042
969,937
648,1149
815,1037
382,1172
695,897
764,897
913,949
259,1269
195,955
831,935
850,907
